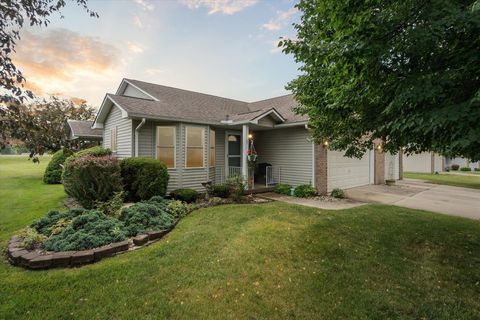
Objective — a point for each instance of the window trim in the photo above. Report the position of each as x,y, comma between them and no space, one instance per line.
174,144
114,138
186,147
214,148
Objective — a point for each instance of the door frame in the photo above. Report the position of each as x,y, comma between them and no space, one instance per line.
227,133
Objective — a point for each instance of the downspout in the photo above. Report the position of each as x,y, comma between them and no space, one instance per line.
140,125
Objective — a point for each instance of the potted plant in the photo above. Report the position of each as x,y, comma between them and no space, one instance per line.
251,155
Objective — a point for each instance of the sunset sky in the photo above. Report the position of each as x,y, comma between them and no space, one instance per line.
221,47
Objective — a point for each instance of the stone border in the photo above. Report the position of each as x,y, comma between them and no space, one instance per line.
38,259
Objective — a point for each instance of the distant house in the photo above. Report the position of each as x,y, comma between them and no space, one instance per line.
429,162
82,130
201,137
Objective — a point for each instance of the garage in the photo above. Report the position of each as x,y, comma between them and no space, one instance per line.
344,172
421,162
392,166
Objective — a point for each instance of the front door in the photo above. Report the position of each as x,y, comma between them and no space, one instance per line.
234,153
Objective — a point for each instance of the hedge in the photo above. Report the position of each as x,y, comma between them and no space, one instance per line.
53,172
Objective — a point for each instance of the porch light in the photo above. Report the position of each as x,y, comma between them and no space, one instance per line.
325,143
379,147
250,136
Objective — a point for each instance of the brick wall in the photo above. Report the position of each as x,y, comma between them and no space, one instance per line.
321,168
379,158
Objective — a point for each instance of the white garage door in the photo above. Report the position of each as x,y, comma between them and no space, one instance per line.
392,168
438,163
421,162
343,172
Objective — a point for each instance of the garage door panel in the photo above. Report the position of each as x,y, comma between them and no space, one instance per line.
344,172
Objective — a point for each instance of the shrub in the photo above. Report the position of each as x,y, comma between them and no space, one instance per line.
53,172
283,188
92,179
91,229
179,209
236,185
97,151
31,239
146,216
112,206
465,169
305,191
476,169
221,191
144,178
46,224
185,195
454,167
338,193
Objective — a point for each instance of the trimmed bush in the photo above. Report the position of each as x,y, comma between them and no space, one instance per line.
283,188
91,179
97,151
53,172
338,193
465,169
221,191
89,230
146,216
236,185
46,224
144,178
454,167
185,195
179,209
476,169
305,191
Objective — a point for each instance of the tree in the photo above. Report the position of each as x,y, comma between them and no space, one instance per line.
13,14
403,71
41,124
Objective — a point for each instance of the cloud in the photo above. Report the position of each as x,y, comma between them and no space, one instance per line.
145,5
135,48
137,22
275,47
280,21
219,6
63,61
154,71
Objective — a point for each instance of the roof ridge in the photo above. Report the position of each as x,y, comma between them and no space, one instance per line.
284,95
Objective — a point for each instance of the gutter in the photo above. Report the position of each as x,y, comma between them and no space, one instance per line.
140,125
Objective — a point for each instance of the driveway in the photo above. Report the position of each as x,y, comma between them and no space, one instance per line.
417,194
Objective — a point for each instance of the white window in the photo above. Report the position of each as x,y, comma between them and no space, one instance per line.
166,145
194,145
212,148
113,139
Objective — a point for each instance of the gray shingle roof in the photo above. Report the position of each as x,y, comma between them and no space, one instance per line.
177,103
83,129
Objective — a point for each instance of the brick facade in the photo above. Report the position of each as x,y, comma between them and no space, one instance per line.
379,158
321,168
400,164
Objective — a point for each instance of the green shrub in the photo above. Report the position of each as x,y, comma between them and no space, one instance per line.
454,167
221,191
92,179
97,151
476,169
31,239
146,216
283,188
53,172
91,229
144,178
111,207
185,195
465,169
338,193
236,185
305,191
46,224
179,209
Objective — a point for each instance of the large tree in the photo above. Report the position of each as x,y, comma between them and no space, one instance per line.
403,71
41,124
13,15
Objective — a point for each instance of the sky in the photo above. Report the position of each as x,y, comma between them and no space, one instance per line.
222,47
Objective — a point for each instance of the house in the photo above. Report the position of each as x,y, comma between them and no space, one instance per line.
429,162
82,130
201,137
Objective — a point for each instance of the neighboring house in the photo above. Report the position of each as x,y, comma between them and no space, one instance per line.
462,162
425,162
82,130
202,137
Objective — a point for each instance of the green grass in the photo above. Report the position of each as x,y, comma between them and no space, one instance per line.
253,261
466,181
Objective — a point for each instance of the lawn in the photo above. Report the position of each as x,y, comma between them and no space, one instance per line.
253,261
467,181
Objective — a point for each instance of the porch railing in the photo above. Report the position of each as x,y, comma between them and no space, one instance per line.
272,176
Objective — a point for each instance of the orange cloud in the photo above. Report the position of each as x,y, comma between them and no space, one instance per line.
56,59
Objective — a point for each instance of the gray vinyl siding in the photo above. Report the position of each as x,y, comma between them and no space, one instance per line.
266,121
289,149
124,133
134,92
219,154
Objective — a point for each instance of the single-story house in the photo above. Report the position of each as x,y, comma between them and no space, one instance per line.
429,162
82,130
462,162
201,137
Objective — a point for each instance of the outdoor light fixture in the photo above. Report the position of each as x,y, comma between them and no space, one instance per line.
250,136
325,143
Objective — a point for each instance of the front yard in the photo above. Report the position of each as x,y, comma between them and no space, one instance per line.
466,181
253,261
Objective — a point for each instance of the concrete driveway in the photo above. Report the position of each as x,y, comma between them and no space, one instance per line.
417,194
